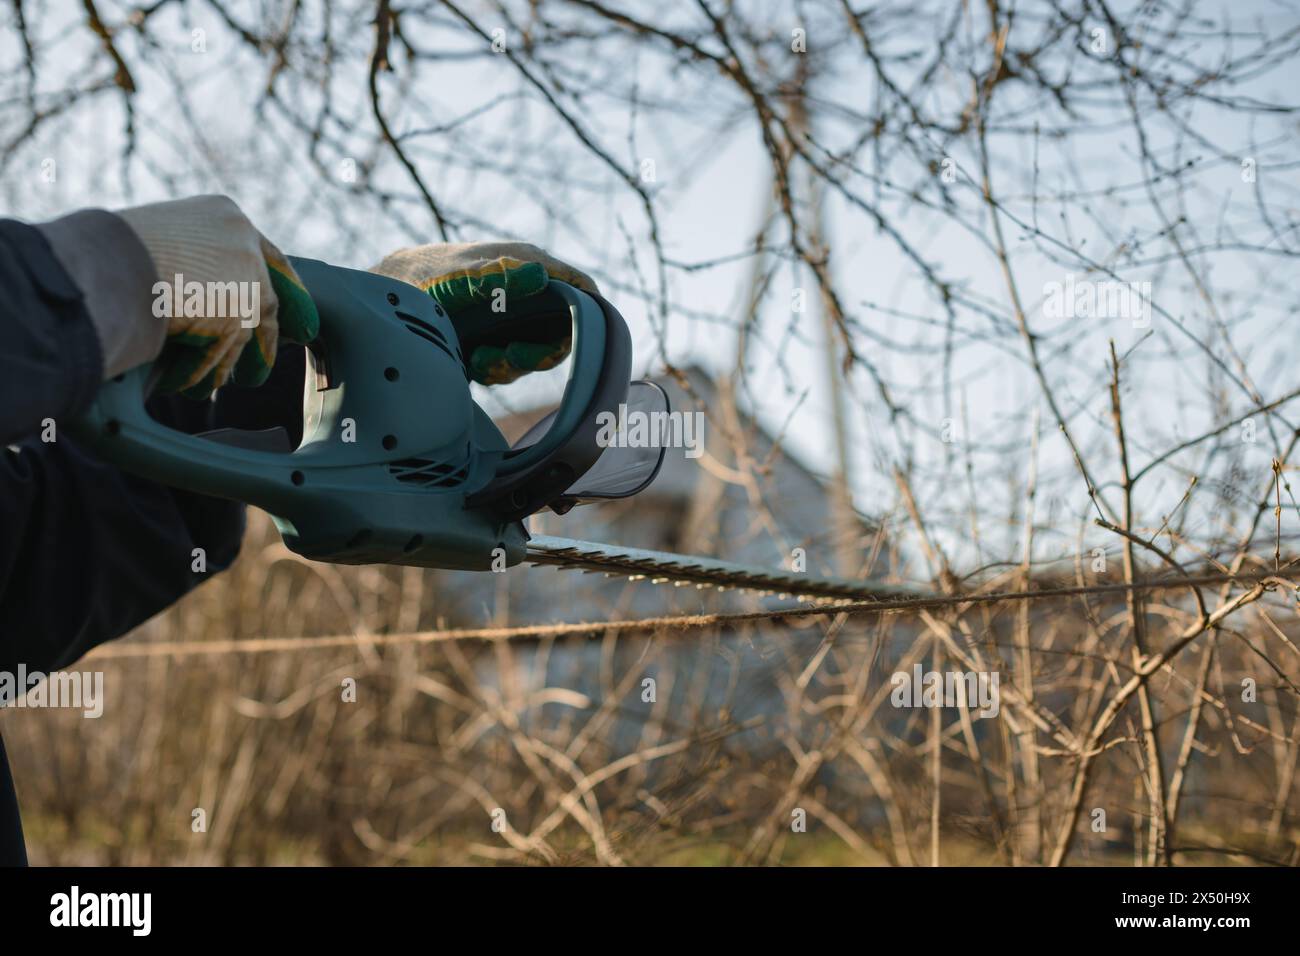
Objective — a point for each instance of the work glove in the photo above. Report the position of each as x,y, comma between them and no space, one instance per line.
230,335
459,275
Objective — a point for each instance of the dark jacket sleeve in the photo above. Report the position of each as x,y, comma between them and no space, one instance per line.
87,552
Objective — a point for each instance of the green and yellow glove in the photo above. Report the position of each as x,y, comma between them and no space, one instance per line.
228,294
462,274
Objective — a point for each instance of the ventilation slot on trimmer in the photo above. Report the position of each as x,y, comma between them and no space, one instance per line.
430,333
428,474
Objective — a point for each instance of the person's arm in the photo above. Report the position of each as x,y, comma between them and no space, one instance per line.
87,552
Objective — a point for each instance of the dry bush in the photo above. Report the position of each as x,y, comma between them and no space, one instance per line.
866,235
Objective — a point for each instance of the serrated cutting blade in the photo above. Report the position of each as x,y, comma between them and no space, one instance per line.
686,569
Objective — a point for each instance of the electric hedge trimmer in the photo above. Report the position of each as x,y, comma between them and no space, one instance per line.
429,480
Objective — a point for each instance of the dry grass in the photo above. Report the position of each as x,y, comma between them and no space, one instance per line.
748,728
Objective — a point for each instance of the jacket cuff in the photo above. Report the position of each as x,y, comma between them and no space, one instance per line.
116,276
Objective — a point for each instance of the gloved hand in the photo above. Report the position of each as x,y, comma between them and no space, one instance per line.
206,239
467,273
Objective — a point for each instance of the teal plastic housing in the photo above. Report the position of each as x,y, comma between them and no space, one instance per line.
394,448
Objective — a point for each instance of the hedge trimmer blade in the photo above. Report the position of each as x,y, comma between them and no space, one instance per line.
683,570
